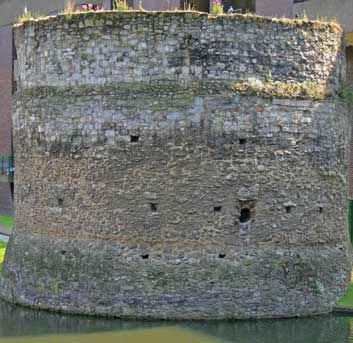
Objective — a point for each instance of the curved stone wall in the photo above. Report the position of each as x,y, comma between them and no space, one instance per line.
133,46
148,185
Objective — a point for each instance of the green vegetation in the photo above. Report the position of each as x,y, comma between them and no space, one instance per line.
347,300
217,7
346,94
69,8
26,16
248,18
141,9
3,247
188,7
121,5
277,89
7,221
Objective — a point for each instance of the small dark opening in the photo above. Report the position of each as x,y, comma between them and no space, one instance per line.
12,189
153,207
242,141
63,252
217,208
221,255
60,201
321,209
245,215
288,209
145,257
134,139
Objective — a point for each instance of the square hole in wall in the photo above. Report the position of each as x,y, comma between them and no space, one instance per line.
245,215
134,138
288,209
154,207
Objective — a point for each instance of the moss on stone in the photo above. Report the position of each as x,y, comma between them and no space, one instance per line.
185,92
288,90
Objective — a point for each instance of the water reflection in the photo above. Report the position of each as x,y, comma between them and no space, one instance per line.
321,329
18,321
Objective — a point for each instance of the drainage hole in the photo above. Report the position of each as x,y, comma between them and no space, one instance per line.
134,139
245,215
153,207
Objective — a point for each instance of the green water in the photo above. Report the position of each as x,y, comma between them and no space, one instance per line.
21,325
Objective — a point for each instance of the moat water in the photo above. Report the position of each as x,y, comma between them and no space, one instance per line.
21,325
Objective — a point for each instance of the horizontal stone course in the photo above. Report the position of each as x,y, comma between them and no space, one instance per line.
145,46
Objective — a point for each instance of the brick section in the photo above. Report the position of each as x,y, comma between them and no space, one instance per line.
6,86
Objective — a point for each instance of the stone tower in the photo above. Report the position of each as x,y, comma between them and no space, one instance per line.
179,165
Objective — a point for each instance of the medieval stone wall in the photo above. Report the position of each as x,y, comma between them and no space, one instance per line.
148,185
132,47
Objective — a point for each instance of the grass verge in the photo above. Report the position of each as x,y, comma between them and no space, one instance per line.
7,221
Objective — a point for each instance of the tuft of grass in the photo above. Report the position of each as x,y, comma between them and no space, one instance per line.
189,7
304,16
7,221
217,7
345,93
334,21
140,7
121,5
277,89
26,16
69,8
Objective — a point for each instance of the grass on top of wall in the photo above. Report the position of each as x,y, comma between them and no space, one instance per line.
321,24
7,221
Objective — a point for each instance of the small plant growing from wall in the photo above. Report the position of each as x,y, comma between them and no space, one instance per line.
69,6
121,5
140,7
346,94
25,16
217,7
189,7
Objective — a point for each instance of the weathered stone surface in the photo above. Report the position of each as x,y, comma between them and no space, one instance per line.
149,46
138,196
